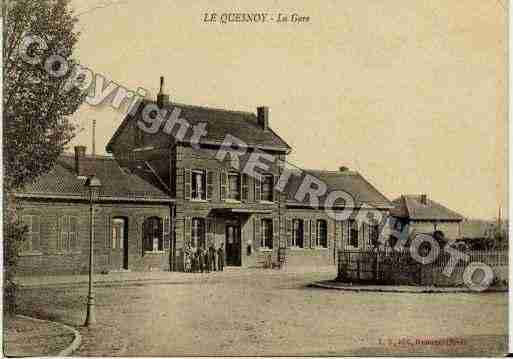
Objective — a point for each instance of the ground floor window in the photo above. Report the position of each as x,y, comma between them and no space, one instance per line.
322,233
353,233
32,238
298,231
267,233
68,234
198,233
118,233
152,234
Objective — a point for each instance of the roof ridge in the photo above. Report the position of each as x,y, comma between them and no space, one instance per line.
351,172
210,108
98,157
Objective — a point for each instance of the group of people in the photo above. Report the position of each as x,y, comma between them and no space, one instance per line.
204,259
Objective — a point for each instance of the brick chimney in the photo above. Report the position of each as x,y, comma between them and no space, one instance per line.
423,198
263,117
84,166
162,97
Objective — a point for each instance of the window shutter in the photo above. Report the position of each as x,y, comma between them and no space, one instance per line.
313,233
63,242
187,231
244,188
166,231
223,184
276,233
289,232
27,221
258,188
306,233
187,183
72,233
256,232
210,185
108,231
276,194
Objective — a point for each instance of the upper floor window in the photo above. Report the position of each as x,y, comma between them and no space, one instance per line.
353,233
267,233
31,241
234,186
322,233
153,238
199,185
374,235
267,185
298,231
198,233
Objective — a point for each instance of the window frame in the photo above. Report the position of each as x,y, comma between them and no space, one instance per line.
353,230
198,232
156,225
194,188
30,234
324,242
298,233
238,186
117,243
266,233
68,240
263,183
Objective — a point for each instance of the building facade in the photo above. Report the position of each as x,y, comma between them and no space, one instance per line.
198,177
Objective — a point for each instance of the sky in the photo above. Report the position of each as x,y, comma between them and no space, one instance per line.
412,94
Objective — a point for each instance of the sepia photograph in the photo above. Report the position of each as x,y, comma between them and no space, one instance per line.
255,179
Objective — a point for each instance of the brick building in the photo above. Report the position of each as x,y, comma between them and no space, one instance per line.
169,189
423,215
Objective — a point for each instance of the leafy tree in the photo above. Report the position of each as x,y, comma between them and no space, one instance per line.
37,104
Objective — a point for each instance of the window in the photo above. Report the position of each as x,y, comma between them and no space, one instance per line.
353,233
68,234
322,233
198,233
31,240
374,235
297,235
267,188
267,233
198,185
234,186
152,234
118,233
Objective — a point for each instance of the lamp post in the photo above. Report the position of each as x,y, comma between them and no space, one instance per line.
93,185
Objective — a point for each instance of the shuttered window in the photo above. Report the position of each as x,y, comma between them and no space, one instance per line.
353,233
223,184
31,241
267,233
198,233
199,185
167,233
234,186
267,188
68,239
210,185
322,233
244,187
298,233
257,188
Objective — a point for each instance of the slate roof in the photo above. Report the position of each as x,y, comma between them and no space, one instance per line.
219,123
134,182
411,207
352,182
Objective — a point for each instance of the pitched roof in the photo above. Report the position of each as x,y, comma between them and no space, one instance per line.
351,182
219,123
136,182
411,207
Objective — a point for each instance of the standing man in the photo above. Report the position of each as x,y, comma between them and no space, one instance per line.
212,257
220,258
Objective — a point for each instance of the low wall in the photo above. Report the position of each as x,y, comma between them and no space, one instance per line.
400,269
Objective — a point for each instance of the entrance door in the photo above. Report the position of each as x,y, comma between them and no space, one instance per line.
233,247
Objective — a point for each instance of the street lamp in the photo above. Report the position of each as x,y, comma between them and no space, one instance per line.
93,185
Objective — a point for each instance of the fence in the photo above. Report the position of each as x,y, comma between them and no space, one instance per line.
391,267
